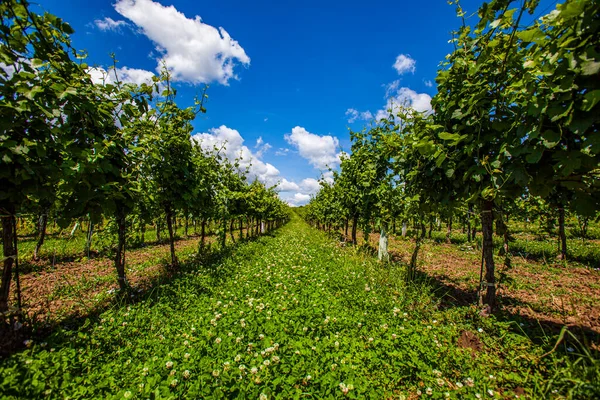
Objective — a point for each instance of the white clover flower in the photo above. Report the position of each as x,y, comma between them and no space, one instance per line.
394,336
459,384
266,363
215,373
186,374
230,334
261,336
218,340
480,330
238,339
491,392
127,394
440,382
174,383
254,370
186,355
371,340
429,391
169,364
262,397
344,388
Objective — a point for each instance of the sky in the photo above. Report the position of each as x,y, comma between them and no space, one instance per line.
287,80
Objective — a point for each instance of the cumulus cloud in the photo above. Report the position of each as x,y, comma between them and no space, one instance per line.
297,199
193,51
354,115
405,97
100,75
232,145
287,186
320,151
310,185
109,24
404,63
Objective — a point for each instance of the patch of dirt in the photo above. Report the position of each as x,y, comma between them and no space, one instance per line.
74,288
468,340
551,294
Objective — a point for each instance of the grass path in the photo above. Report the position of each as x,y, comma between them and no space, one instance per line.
292,315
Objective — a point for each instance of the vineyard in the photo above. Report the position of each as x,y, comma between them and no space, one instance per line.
455,253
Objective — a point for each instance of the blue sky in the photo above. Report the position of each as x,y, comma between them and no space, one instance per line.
287,79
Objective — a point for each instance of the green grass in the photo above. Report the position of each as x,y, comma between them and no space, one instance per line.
294,315
578,250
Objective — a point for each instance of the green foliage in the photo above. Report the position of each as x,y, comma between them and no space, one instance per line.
311,318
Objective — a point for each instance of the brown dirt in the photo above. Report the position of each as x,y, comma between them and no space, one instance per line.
468,340
54,293
551,294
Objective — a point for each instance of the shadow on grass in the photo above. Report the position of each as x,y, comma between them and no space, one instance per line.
543,330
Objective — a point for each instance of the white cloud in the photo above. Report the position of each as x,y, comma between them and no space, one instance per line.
287,186
232,145
109,24
391,88
100,75
282,152
354,115
310,186
404,63
406,97
298,199
320,151
328,177
428,83
192,50
261,147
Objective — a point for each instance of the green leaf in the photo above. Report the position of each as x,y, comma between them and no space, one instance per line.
440,160
590,67
590,99
535,156
550,138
